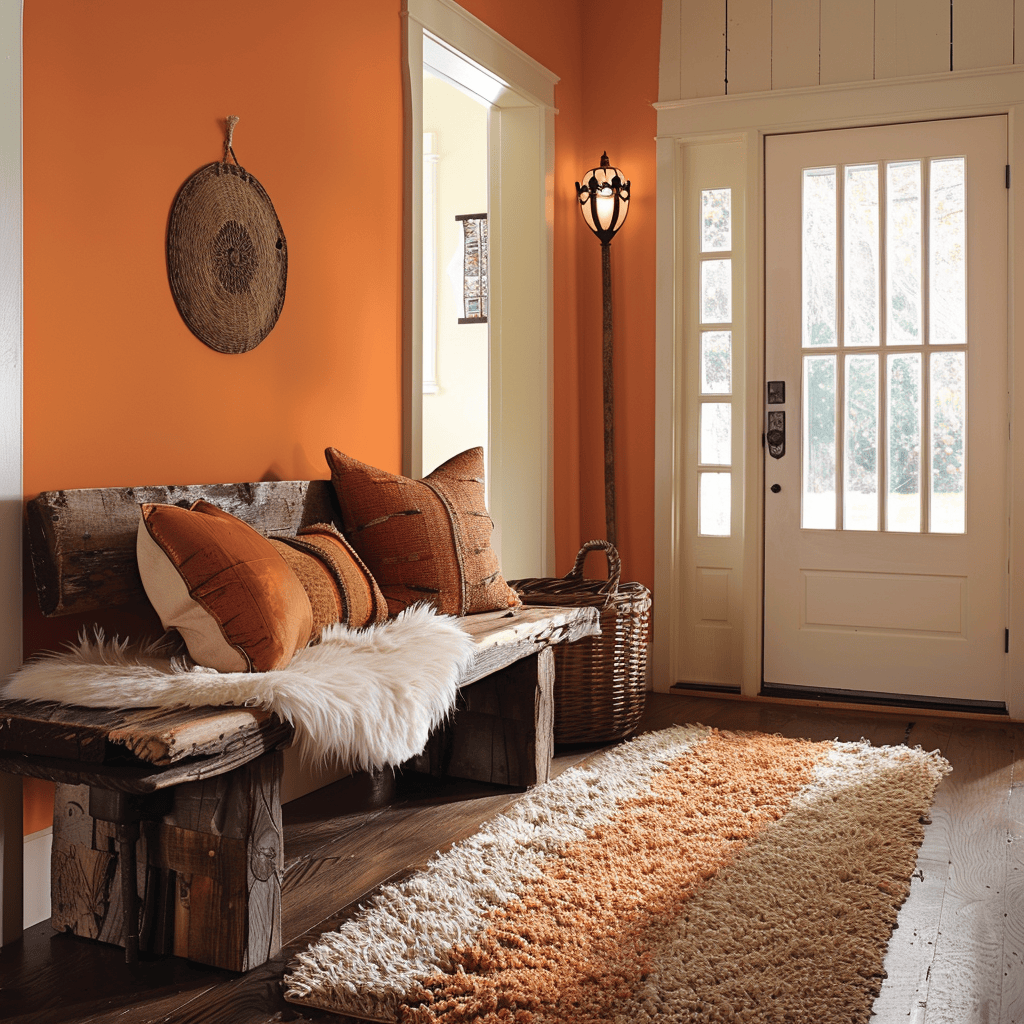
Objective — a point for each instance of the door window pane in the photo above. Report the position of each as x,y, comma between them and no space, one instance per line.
819,449
948,433
860,256
903,455
716,362
716,434
716,291
903,252
947,286
819,257
715,504
716,220
860,463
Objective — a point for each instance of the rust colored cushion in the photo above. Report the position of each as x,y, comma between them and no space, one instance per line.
223,586
424,540
337,583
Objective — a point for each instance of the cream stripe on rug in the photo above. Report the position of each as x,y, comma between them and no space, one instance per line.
688,875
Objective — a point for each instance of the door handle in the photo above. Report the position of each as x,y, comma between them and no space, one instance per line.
776,436
775,488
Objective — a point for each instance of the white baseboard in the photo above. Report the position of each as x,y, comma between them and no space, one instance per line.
37,876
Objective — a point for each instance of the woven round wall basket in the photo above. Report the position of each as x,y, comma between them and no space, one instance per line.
227,258
600,681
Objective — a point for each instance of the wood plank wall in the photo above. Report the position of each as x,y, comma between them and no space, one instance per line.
727,47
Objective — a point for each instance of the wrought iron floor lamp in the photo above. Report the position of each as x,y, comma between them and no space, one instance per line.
604,203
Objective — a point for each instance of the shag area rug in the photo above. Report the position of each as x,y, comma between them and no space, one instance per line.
690,875
366,697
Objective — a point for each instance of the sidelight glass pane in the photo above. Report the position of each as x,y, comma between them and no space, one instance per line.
715,518
818,504
716,291
948,436
860,464
903,454
716,362
947,286
716,220
903,253
860,256
716,434
819,257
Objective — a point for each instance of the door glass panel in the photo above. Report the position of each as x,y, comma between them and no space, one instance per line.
716,434
716,220
903,252
860,430
716,362
819,448
715,518
716,291
860,256
819,257
903,454
948,418
947,286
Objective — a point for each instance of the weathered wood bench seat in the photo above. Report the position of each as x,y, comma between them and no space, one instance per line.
188,800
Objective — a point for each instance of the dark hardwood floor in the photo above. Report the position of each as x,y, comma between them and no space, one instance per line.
956,957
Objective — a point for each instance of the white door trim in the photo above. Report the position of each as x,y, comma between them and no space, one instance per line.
751,117
522,152
11,491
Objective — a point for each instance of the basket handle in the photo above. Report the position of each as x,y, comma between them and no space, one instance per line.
609,586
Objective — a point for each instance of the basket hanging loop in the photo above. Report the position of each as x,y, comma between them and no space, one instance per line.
232,120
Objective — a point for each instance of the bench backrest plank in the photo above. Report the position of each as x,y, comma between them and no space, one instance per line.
82,542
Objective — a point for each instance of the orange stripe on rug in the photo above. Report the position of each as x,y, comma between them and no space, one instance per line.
576,939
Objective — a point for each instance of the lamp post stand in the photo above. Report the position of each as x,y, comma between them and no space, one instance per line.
609,394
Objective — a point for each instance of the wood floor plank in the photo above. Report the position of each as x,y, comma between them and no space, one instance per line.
966,977
1012,1001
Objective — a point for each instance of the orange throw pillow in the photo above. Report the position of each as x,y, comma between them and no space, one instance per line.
424,540
223,586
337,583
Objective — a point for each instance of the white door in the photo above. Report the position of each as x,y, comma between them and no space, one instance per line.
885,486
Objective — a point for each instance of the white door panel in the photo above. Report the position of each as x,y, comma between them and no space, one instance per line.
885,518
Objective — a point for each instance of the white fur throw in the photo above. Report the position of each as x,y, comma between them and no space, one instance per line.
367,697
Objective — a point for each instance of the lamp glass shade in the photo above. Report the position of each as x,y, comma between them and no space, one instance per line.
604,200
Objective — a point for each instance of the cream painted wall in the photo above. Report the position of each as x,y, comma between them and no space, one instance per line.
455,417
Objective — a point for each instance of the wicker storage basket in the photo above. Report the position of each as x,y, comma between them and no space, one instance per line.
600,686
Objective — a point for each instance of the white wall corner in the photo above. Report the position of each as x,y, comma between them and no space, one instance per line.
11,854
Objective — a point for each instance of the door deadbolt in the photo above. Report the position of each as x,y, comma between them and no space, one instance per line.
776,488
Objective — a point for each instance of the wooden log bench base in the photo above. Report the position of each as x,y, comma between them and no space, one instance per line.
167,834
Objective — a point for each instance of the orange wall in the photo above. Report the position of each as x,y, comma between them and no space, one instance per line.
124,99
622,69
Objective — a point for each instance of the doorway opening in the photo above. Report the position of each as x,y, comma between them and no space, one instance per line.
456,350
519,93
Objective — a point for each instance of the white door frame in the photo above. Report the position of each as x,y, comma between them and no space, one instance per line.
521,229
749,118
11,492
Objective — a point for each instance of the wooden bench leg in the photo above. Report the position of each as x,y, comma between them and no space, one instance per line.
209,869
502,730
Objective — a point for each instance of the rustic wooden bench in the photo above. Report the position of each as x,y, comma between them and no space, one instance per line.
186,802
